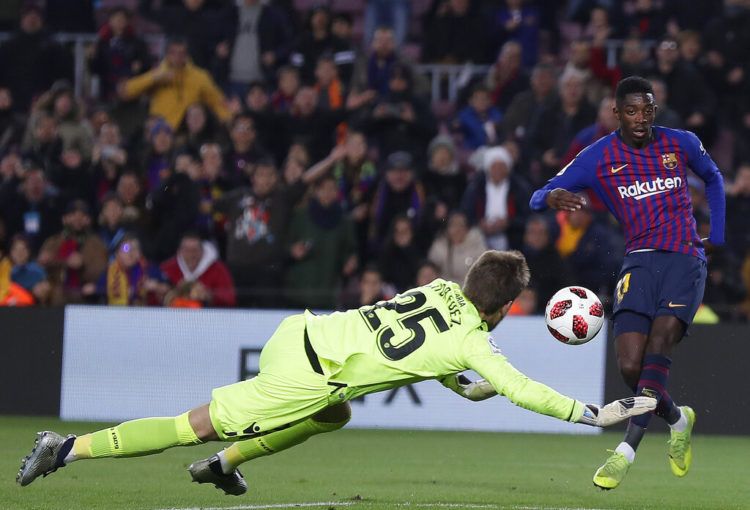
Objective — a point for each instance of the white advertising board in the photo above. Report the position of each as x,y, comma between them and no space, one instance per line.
124,363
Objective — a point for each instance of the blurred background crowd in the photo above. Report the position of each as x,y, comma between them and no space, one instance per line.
300,153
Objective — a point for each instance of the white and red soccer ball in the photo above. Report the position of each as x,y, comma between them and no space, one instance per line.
574,315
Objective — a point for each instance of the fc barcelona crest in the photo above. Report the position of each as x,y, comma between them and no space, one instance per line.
669,160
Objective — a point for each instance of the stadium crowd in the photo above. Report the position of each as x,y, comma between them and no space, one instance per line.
288,154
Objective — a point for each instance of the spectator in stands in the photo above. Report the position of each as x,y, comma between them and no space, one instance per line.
647,19
374,72
174,85
554,129
12,123
724,289
61,103
158,155
213,183
130,280
118,53
525,304
12,174
288,83
33,210
399,193
197,128
457,248
688,93
606,122
257,221
587,248
316,41
268,123
367,290
548,272
331,90
72,176
526,105
197,266
111,228
518,22
129,191
496,200
400,120
427,272
479,121
174,208
75,16
258,37
507,77
738,211
342,29
11,293
244,152
42,143
322,248
27,273
199,23
393,14
633,58
75,258
309,124
665,116
455,34
108,159
589,63
400,256
31,60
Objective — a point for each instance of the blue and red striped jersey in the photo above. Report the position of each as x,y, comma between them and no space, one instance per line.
646,189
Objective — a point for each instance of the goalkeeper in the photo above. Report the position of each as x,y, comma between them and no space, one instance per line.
313,365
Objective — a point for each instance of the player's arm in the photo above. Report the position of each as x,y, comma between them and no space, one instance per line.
705,167
488,362
559,192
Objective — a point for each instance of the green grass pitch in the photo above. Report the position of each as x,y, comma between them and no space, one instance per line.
368,469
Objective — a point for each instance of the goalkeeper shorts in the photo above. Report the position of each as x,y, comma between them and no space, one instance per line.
288,389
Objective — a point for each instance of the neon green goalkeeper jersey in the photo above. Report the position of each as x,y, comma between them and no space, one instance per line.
426,333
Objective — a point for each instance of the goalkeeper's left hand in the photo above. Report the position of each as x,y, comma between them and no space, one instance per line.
616,411
473,390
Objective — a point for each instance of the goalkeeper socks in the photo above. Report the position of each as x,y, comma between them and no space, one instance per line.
135,438
249,449
627,450
653,383
681,423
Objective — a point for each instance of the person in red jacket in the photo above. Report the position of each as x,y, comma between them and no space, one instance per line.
196,264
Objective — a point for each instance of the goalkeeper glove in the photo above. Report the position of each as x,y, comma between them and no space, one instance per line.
616,411
473,390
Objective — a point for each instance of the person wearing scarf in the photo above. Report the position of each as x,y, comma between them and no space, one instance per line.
130,280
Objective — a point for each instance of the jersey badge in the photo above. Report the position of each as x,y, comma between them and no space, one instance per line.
669,160
493,346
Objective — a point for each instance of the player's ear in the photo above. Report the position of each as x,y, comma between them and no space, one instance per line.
506,307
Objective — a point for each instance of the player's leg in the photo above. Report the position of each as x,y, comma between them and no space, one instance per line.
328,420
221,469
133,438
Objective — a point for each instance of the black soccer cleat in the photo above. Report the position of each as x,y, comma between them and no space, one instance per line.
209,471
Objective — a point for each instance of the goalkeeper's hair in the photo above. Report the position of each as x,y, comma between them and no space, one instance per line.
496,278
632,85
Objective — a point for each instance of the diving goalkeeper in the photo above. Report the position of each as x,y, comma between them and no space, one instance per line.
314,365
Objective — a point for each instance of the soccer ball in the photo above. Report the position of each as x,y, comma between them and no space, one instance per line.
574,315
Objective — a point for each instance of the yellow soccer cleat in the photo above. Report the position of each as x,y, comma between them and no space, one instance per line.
678,447
612,472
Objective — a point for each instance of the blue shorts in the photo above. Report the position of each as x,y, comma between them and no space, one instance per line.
654,283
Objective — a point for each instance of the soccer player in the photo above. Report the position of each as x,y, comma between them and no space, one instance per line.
640,172
313,365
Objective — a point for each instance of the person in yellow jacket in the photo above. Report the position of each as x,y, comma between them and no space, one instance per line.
174,85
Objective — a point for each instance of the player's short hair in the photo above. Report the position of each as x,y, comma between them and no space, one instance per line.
496,278
632,85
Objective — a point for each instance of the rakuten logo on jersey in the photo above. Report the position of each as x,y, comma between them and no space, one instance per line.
640,190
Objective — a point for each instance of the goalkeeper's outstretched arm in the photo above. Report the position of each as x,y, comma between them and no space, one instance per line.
504,379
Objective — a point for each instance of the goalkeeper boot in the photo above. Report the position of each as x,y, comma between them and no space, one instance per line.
46,457
678,447
612,472
209,471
